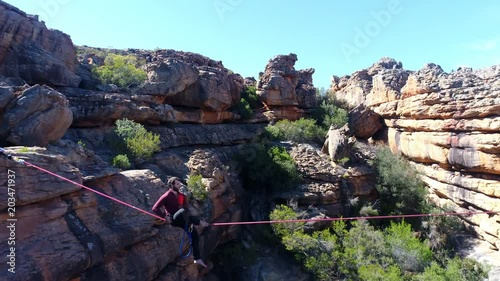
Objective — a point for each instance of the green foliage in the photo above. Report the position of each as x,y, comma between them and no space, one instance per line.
81,143
363,246
24,150
144,144
197,188
343,161
330,112
283,212
456,269
244,109
250,95
85,50
121,161
399,187
301,131
268,167
366,253
120,70
439,229
315,251
249,101
408,251
375,272
127,129
140,143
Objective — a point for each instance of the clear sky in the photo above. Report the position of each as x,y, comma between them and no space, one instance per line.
334,37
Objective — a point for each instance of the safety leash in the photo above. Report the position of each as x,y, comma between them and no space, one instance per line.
189,231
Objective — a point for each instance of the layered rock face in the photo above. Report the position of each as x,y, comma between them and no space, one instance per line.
65,232
284,90
448,123
31,51
181,87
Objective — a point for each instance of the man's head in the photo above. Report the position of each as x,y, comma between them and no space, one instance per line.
174,183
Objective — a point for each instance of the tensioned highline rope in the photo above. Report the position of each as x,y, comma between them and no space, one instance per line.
21,161
93,190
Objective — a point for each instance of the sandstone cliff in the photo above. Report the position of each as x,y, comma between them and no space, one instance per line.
448,124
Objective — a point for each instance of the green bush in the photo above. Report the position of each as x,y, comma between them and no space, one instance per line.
439,230
244,109
24,150
269,168
127,129
330,112
363,252
375,272
408,251
283,212
400,190
121,161
363,245
197,188
301,131
120,70
250,95
456,269
140,143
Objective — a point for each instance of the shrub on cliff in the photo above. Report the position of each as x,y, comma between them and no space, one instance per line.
363,252
264,167
301,131
121,161
250,95
244,109
120,70
197,188
330,112
140,143
400,189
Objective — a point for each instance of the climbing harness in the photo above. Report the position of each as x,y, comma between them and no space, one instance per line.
26,163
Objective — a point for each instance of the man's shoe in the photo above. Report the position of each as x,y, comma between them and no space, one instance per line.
200,262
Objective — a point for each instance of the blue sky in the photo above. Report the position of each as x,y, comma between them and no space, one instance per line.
334,37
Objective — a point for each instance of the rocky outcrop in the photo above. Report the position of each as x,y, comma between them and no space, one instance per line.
94,109
281,86
180,87
33,116
327,185
447,121
31,51
89,237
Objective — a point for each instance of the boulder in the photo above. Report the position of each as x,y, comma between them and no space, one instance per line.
280,85
364,122
37,116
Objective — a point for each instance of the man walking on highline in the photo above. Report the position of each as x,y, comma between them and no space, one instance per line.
173,206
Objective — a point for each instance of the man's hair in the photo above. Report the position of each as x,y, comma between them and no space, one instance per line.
171,181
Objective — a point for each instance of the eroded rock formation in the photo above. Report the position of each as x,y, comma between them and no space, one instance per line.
448,123
284,90
89,237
